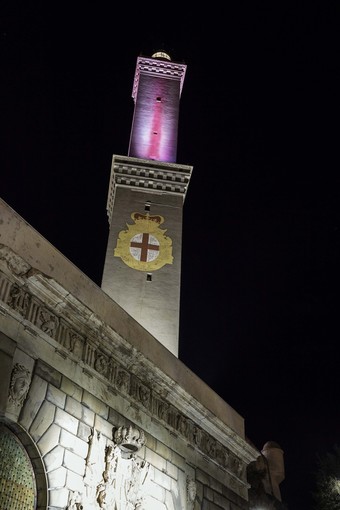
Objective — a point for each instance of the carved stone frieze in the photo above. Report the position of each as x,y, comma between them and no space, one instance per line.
19,299
82,342
182,425
89,354
162,410
123,381
140,392
196,435
236,465
101,364
47,322
73,342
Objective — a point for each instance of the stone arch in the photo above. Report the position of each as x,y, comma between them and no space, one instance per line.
22,474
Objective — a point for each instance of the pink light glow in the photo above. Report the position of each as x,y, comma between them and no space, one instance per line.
155,123
156,132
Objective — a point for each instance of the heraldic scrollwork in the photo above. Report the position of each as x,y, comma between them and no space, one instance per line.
144,246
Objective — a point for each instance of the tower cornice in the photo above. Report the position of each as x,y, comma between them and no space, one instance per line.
153,176
158,67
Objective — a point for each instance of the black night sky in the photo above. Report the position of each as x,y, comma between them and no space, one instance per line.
259,122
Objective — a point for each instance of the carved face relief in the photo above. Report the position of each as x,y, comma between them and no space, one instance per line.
19,386
144,395
48,322
182,425
18,300
162,410
197,435
101,364
191,490
74,343
123,381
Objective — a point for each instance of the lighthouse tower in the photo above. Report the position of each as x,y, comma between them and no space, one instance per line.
142,270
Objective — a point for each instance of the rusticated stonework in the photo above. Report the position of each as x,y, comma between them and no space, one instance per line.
85,343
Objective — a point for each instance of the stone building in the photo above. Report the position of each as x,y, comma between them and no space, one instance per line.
96,409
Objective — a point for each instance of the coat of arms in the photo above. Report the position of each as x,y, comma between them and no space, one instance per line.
144,246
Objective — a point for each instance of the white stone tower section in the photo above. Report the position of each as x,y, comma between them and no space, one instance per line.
142,270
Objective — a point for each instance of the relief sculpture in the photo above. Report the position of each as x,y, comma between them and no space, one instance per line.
114,475
48,322
19,300
191,492
19,385
106,490
75,501
94,463
101,364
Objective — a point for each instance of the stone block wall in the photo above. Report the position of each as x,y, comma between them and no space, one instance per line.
102,423
70,431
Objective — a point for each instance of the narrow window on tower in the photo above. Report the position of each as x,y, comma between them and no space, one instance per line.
159,99
147,206
149,277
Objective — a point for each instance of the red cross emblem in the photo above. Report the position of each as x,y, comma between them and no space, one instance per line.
144,247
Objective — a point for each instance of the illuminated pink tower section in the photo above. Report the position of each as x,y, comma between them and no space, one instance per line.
142,270
156,92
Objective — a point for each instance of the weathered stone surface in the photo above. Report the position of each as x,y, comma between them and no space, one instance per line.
57,478
96,370
49,440
103,426
33,402
84,431
95,404
56,396
58,498
52,263
54,458
7,348
74,481
79,411
73,407
156,460
71,389
47,373
172,470
66,421
162,479
73,443
157,492
74,463
42,421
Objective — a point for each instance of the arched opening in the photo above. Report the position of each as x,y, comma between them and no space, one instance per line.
21,471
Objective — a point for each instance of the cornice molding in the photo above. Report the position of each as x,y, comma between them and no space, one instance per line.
49,311
147,175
